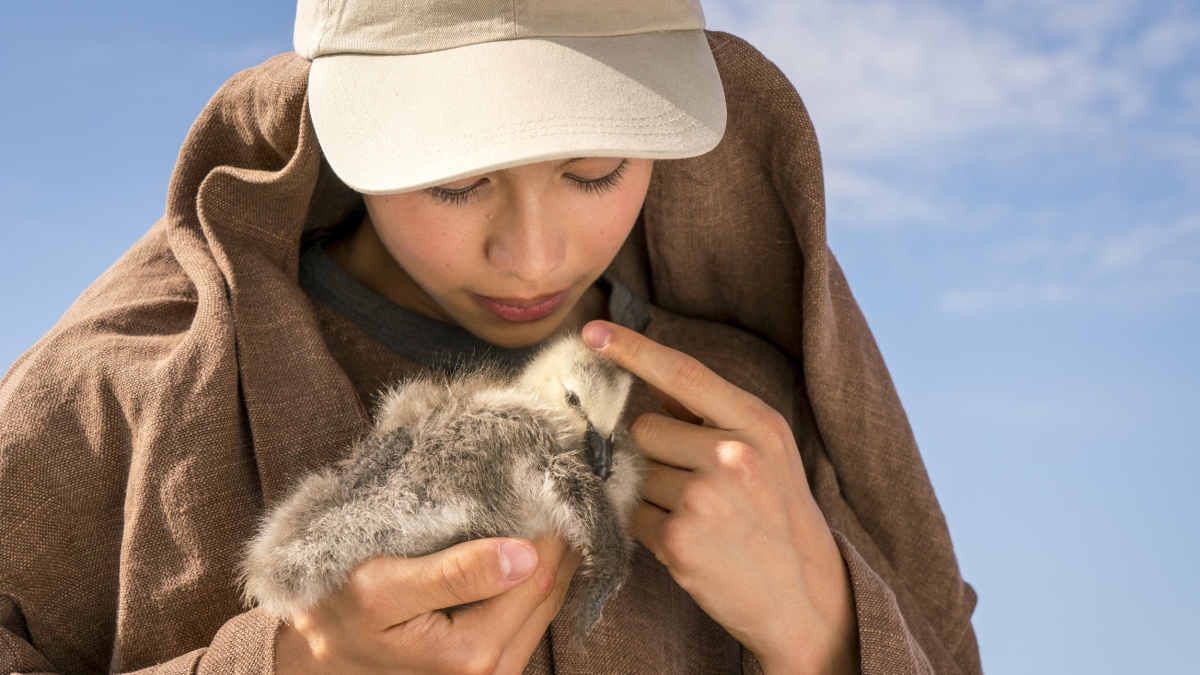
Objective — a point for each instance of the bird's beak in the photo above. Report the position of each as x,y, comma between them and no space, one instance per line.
599,453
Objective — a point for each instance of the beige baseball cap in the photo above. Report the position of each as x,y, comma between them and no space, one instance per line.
405,94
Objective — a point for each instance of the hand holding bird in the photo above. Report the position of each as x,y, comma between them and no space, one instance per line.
452,459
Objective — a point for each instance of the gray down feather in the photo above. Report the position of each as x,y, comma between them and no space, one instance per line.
452,459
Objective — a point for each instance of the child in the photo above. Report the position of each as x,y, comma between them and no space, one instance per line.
429,183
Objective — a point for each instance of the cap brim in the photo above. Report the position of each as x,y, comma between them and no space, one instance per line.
391,123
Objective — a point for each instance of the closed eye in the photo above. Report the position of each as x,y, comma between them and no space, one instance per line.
602,184
453,196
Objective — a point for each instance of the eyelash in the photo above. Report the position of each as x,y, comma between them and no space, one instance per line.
453,197
602,184
595,186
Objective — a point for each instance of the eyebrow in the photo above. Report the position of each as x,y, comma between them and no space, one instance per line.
571,161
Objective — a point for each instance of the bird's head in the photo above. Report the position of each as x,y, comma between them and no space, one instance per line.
567,371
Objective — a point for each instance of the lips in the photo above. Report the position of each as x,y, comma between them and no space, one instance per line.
522,310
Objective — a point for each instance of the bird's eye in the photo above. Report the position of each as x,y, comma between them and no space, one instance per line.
572,399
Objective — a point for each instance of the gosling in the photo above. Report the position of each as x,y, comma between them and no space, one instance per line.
485,454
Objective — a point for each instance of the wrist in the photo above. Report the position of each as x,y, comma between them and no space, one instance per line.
837,657
827,642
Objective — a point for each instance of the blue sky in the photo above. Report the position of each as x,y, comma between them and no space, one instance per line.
1014,191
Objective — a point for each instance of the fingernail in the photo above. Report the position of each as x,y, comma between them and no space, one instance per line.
596,335
517,560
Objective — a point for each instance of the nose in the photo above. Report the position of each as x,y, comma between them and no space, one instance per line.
525,243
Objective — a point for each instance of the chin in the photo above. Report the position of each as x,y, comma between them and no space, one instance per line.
515,336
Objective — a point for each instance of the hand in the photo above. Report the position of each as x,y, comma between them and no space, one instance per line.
727,509
385,619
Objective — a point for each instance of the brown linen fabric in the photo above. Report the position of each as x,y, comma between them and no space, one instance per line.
194,382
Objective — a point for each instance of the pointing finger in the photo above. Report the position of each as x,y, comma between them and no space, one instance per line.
683,378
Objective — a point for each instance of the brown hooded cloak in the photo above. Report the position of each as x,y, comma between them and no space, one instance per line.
194,382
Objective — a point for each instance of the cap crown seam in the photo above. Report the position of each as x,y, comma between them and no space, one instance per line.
323,32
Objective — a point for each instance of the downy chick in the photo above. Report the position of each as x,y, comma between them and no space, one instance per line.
468,457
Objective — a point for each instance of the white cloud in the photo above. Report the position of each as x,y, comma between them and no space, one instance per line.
933,84
907,95
1171,249
1016,295
1126,268
1085,20
1184,149
885,78
863,199
1166,43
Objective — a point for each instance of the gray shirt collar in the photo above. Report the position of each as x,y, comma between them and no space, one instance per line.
427,342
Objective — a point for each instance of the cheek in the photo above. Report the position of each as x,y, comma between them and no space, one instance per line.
433,249
600,242
436,269
605,222
609,223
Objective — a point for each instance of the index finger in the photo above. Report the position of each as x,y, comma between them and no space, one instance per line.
682,377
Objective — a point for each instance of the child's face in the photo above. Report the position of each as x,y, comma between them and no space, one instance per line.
508,254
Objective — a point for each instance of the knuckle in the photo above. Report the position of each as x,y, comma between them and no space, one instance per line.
646,428
545,583
634,347
697,498
479,660
459,573
363,582
706,503
739,460
675,540
768,420
366,587
690,375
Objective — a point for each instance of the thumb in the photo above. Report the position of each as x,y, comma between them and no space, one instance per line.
467,572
